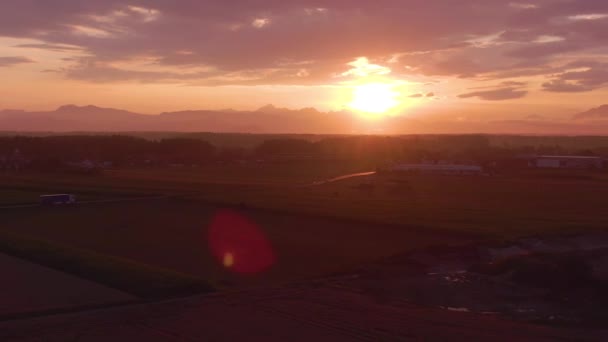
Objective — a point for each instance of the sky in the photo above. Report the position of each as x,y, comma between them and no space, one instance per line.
456,60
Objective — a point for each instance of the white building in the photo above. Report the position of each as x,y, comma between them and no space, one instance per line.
458,169
567,162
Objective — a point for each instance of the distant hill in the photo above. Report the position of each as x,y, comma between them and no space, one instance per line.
600,112
68,118
274,120
268,119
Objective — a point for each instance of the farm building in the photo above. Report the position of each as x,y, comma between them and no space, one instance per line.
456,169
567,162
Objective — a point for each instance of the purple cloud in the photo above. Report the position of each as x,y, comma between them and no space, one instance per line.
564,87
588,76
496,95
513,83
305,42
10,61
51,47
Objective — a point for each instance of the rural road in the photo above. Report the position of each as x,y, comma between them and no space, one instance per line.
339,178
116,200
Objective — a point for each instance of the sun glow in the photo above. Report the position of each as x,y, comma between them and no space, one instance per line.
374,98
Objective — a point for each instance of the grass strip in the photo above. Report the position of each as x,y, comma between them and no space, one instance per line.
138,279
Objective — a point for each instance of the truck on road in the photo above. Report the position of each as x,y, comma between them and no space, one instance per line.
57,199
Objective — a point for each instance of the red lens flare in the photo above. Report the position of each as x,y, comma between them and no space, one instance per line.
239,244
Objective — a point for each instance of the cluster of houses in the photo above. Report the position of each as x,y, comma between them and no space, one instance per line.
567,162
89,165
13,161
532,162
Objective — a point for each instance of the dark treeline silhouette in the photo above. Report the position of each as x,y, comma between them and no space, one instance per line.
51,152
456,148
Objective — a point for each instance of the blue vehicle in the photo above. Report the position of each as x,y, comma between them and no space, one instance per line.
57,199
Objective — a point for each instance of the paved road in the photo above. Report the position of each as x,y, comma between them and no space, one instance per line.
352,175
115,200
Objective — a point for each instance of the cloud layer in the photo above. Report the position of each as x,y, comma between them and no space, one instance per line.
14,60
497,94
564,43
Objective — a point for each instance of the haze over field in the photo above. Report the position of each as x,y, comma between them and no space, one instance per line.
388,66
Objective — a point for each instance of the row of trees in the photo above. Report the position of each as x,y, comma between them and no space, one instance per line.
126,150
114,149
455,148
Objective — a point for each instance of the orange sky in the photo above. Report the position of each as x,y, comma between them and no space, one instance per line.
491,60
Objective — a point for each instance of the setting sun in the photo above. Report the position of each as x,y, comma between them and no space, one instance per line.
375,98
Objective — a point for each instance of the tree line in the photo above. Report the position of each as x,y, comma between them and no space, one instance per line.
117,150
129,150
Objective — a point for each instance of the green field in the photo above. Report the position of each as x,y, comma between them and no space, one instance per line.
314,230
138,279
172,234
138,182
293,173
501,206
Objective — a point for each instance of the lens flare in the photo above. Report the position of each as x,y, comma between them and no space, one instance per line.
228,260
239,244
